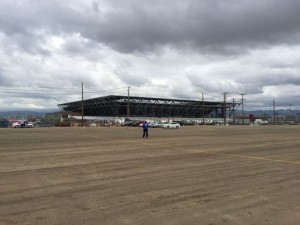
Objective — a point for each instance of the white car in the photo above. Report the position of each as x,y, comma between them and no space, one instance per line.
171,125
30,124
20,124
16,125
161,124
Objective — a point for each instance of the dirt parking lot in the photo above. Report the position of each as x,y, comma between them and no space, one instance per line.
212,175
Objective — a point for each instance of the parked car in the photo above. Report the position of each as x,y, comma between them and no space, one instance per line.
181,123
138,123
31,124
129,123
16,125
171,125
161,124
22,124
154,124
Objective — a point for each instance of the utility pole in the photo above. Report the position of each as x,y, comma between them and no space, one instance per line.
243,115
233,111
274,112
128,104
202,109
225,107
291,113
82,104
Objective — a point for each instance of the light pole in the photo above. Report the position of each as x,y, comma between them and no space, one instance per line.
225,96
233,111
274,112
202,109
291,114
128,104
243,99
82,110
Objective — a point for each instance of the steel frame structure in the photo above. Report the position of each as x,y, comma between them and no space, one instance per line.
116,106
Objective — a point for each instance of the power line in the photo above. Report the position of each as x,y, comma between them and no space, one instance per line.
42,87
27,89
53,91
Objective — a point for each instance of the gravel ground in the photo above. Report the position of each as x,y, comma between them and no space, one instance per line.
212,175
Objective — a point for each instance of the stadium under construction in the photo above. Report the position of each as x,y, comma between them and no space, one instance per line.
130,106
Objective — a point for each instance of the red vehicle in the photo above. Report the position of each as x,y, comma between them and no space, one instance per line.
138,123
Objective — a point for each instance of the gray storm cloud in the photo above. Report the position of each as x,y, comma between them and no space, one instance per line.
185,46
207,25
134,26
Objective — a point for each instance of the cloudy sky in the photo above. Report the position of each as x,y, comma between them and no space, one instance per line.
160,48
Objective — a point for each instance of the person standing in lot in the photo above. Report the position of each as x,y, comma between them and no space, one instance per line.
145,129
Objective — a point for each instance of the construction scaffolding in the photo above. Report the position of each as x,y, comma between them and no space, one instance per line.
117,106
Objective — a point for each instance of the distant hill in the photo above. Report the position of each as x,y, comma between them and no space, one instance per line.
41,114
283,112
22,114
